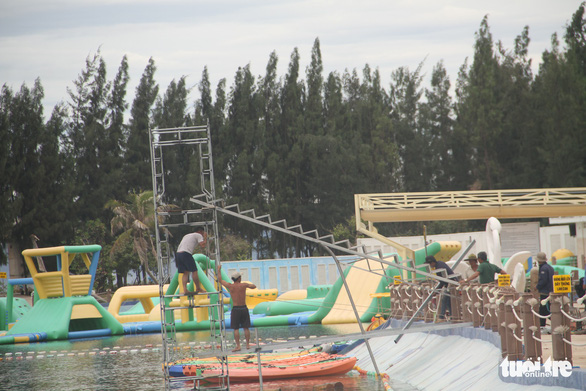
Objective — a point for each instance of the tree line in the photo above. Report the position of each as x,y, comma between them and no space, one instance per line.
297,146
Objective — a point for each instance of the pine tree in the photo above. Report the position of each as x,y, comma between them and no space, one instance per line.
40,180
203,106
55,220
137,170
405,95
112,147
245,165
290,180
87,137
560,102
379,156
478,107
517,140
437,128
269,103
7,213
183,180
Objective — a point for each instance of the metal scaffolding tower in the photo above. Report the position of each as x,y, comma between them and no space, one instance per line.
206,207
166,142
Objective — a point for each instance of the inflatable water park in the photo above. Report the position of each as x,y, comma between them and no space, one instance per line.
64,307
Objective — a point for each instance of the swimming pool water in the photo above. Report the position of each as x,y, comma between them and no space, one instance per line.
133,362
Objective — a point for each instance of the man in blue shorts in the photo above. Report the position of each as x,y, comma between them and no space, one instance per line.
184,258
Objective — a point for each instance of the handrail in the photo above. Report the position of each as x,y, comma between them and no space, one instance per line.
462,205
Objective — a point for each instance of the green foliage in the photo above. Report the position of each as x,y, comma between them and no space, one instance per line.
235,248
296,148
134,222
137,166
123,258
95,232
346,231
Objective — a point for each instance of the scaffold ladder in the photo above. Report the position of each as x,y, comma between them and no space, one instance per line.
206,214
165,220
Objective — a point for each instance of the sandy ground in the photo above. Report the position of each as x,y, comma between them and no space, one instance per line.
578,352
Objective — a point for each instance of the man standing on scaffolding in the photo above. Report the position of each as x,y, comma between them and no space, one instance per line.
184,258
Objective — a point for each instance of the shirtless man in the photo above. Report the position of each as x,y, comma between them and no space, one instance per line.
240,317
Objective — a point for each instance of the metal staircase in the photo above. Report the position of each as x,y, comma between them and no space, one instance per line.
326,241
166,218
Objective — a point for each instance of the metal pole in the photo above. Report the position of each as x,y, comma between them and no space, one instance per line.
354,309
425,239
258,358
428,298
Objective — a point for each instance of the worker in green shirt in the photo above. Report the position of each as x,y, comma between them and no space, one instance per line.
485,271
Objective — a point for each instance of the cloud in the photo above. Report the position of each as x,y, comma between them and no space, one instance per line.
51,40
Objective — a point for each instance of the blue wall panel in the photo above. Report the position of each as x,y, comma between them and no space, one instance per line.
280,275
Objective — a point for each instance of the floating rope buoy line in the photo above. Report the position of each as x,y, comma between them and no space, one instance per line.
147,348
384,377
16,356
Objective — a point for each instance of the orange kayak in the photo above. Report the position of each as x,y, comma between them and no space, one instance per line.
308,365
250,357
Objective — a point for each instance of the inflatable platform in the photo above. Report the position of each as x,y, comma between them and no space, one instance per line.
65,309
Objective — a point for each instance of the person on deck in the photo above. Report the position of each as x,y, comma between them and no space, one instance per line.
485,271
240,316
544,285
473,262
445,301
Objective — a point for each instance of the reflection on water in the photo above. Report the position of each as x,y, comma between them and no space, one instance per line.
134,362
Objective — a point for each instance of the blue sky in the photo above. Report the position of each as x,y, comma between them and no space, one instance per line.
51,39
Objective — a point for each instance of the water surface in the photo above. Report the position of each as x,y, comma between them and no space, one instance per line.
133,362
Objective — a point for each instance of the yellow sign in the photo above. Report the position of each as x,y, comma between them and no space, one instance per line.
3,275
397,280
504,280
562,284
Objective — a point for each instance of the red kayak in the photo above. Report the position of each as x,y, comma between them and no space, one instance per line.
309,365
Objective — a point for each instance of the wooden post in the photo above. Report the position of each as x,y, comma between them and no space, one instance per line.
398,303
486,308
500,302
494,320
466,305
408,301
560,327
428,313
395,302
533,350
416,292
476,306
512,328
456,303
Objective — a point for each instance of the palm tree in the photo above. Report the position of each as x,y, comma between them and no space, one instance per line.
135,219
